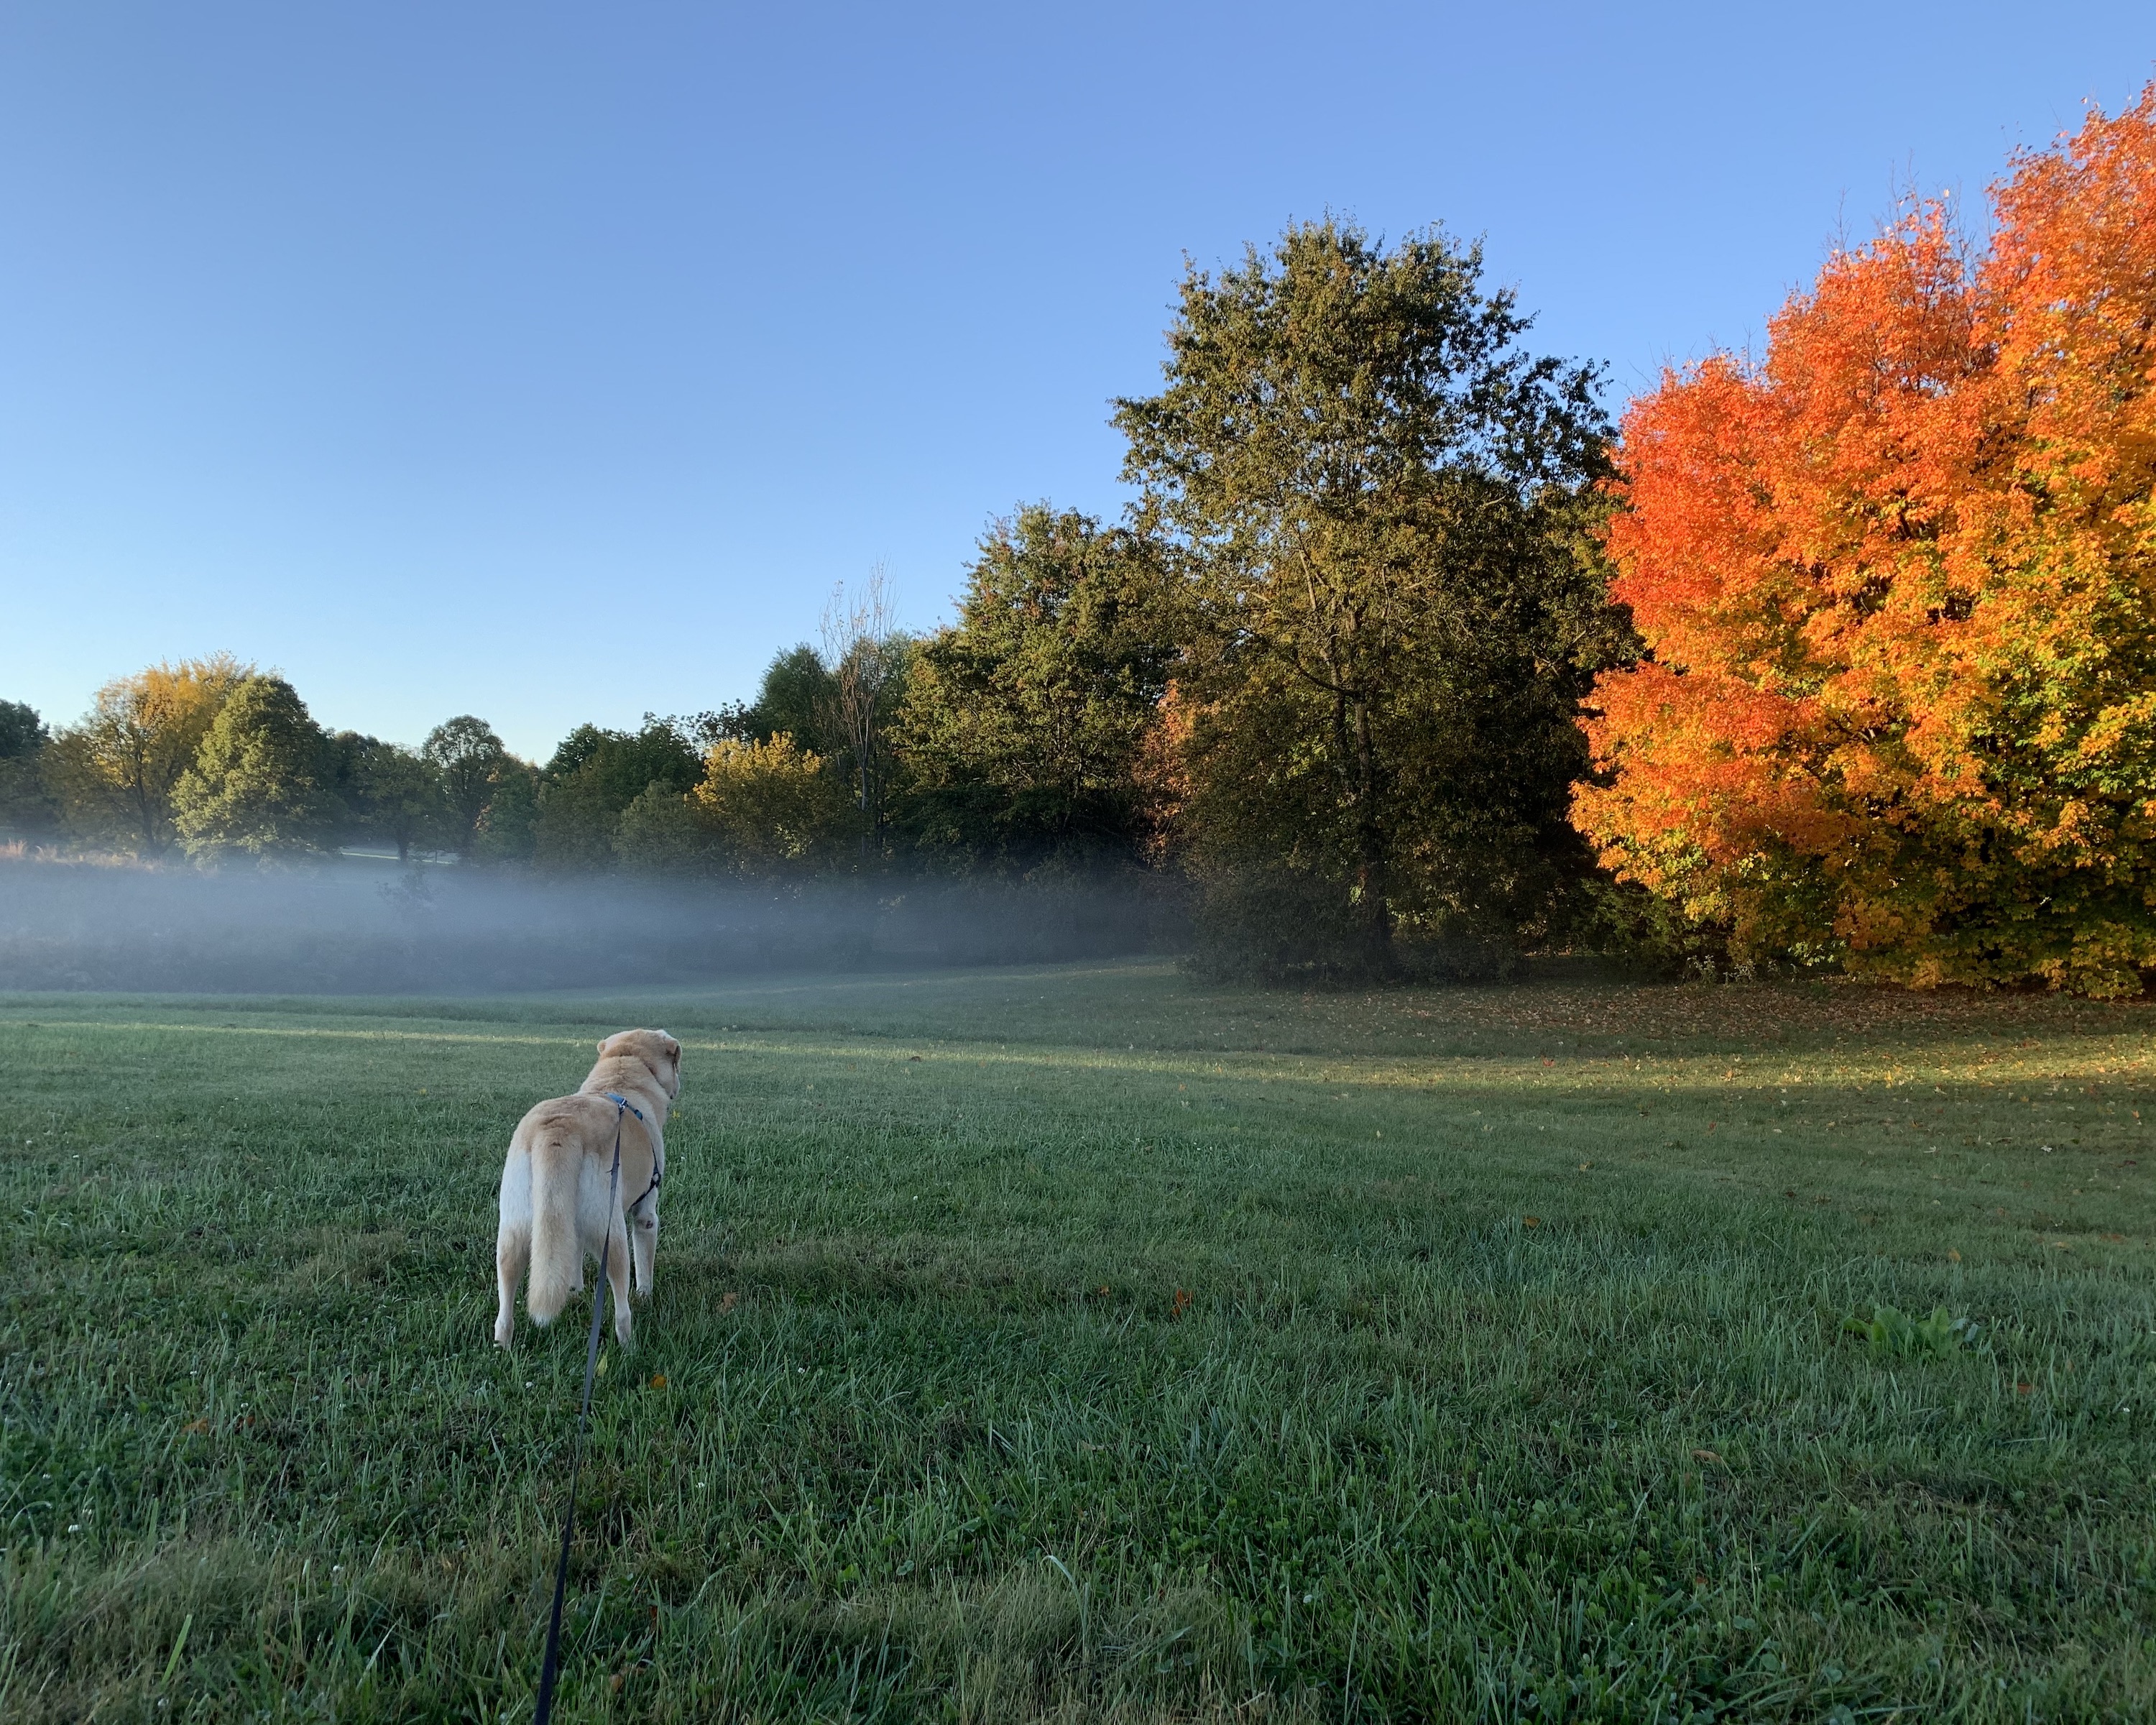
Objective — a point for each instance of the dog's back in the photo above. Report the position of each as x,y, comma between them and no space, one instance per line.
554,1205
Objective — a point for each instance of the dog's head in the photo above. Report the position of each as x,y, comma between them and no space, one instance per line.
657,1050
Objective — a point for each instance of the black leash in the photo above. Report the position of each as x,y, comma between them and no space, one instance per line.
551,1667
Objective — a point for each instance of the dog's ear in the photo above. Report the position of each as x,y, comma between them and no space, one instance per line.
604,1041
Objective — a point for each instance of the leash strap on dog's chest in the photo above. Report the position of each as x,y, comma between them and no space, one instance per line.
658,1173
550,1668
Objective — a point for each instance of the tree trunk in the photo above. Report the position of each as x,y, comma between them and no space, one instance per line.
1374,897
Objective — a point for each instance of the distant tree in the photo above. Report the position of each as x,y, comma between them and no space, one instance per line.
594,775
256,788
797,697
1370,499
1023,722
26,802
342,752
507,829
773,807
868,658
115,772
665,833
394,794
473,763
22,732
736,721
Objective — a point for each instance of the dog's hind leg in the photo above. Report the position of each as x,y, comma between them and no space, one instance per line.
644,1235
512,1250
617,1277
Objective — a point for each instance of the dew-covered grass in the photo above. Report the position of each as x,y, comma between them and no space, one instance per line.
1085,1343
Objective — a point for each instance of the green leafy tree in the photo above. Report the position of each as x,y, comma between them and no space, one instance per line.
22,732
257,786
594,777
472,762
392,794
664,833
507,829
1023,722
796,698
734,723
26,802
1371,500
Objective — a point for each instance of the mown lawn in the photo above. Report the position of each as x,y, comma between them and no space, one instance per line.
1084,1342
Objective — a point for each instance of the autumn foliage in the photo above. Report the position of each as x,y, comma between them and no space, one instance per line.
1898,579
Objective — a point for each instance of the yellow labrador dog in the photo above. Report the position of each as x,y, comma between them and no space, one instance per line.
554,1208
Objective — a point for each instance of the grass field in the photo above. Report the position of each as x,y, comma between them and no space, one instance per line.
1084,1343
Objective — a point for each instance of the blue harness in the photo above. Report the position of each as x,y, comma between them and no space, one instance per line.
657,1173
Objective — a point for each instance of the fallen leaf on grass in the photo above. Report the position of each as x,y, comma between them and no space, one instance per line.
1533,1221
659,1380
2023,1389
1181,1302
1707,1455
731,1300
196,1425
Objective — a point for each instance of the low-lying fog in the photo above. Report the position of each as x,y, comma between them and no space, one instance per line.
352,926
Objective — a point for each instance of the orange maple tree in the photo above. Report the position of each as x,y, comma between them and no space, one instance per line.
1897,582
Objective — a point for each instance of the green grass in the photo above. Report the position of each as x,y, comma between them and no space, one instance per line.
1082,1343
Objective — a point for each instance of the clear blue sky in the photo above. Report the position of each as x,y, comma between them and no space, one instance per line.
550,363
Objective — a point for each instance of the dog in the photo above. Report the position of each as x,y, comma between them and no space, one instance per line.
554,1207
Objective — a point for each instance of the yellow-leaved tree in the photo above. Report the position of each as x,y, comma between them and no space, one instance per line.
761,809
115,771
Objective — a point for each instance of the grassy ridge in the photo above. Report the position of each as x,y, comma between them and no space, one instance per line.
1081,1342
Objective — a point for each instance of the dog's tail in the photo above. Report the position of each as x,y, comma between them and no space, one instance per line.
557,1247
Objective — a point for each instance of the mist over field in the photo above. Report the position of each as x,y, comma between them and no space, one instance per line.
349,927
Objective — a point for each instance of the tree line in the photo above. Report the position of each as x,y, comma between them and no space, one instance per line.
1406,660
1006,743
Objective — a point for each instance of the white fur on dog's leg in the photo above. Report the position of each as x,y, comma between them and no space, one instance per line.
510,1253
618,1279
646,1241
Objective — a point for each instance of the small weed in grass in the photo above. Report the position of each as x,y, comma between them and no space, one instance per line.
1891,1332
